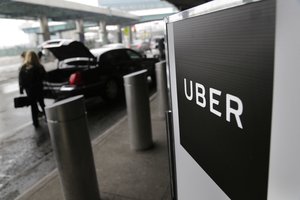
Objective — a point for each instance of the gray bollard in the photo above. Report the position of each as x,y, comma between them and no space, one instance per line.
138,110
162,90
72,148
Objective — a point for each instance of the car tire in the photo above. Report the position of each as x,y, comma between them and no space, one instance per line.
111,90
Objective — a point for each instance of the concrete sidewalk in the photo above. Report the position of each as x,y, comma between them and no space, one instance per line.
122,174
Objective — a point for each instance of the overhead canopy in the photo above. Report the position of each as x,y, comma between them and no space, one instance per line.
59,10
186,4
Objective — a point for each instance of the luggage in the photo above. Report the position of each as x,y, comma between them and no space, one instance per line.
21,101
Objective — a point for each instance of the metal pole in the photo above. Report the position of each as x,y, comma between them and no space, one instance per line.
138,110
171,152
162,90
72,147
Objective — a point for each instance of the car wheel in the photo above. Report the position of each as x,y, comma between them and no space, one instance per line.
111,90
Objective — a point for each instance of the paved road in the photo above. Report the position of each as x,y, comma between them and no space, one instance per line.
25,152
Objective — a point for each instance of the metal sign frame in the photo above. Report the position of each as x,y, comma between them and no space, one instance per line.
180,158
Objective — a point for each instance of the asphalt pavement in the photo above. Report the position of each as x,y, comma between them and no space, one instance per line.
122,173
26,153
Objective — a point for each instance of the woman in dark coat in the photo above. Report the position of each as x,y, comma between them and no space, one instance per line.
31,76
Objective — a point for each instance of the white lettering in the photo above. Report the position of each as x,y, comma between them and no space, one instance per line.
189,97
236,112
200,94
213,101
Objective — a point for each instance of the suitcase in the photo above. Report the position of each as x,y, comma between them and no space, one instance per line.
21,101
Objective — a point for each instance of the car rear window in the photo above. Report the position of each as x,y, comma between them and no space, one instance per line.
133,55
113,57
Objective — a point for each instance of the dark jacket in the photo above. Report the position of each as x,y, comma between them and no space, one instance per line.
31,79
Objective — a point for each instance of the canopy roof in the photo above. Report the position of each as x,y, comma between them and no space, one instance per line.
186,4
58,10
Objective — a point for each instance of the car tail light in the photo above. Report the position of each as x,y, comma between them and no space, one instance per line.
76,79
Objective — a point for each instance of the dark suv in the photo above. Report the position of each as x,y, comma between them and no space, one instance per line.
91,72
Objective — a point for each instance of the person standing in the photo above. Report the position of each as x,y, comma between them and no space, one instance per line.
31,76
161,48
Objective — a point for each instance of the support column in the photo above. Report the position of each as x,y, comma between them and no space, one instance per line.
120,34
103,32
45,28
80,30
130,35
127,35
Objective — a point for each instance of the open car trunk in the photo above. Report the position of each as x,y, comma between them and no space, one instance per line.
55,79
73,56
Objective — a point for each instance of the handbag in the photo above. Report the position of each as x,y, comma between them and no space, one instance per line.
21,101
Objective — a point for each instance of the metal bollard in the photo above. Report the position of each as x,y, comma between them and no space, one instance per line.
72,147
138,110
162,90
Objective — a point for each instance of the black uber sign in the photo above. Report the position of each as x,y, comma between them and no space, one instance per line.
224,71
